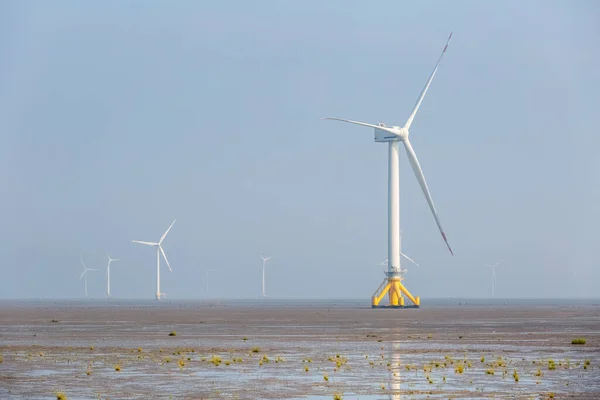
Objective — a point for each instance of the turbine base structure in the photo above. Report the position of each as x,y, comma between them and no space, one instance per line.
393,287
160,296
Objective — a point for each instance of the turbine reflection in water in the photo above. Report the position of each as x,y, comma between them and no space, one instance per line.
394,356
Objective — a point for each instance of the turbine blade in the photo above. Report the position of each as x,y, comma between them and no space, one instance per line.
82,274
91,269
495,265
165,257
115,259
410,119
146,243
363,124
409,259
82,263
414,162
165,234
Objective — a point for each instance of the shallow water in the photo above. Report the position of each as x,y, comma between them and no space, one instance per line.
374,351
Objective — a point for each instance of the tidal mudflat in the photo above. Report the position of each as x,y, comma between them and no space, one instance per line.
279,350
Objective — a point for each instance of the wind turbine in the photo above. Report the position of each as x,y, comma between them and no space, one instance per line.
84,274
110,260
493,267
159,251
206,278
394,135
264,259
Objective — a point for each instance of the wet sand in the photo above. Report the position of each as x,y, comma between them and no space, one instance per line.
284,351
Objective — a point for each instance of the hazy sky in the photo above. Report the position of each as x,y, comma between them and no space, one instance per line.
117,117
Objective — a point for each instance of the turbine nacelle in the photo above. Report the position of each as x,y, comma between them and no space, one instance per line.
390,134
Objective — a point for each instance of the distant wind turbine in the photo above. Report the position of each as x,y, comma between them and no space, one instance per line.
206,278
110,260
264,259
159,251
84,274
493,267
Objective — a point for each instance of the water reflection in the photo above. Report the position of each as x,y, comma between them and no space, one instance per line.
394,357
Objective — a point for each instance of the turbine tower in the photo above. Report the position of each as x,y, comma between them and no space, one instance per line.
159,251
493,267
393,135
84,274
264,259
110,260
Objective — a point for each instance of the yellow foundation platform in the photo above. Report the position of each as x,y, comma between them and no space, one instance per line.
395,290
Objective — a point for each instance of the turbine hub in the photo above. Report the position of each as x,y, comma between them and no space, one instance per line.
402,133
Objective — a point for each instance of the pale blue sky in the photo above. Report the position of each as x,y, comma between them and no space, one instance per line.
116,117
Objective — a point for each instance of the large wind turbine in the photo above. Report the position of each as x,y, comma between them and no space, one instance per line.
159,251
84,274
264,264
493,267
393,135
110,260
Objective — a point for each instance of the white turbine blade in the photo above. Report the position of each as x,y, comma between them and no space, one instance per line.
146,243
165,234
165,257
268,258
414,162
410,119
115,259
383,128
495,265
82,263
82,274
409,259
91,269
353,122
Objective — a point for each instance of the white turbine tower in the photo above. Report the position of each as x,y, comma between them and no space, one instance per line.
159,251
84,274
394,135
264,260
110,260
493,267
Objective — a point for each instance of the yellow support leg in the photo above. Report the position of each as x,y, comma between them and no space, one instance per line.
407,293
394,288
377,299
